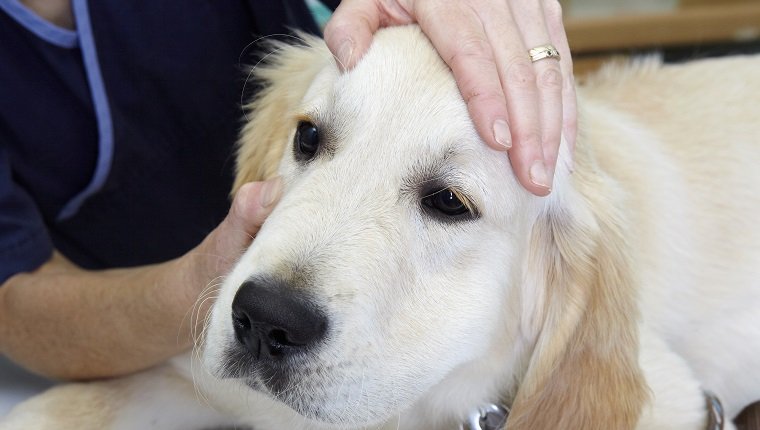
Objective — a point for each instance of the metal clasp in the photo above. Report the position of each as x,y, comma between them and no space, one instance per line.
488,417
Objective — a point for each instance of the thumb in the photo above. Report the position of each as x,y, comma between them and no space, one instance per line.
219,251
349,32
252,204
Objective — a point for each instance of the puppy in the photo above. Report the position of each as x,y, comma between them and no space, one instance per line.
406,279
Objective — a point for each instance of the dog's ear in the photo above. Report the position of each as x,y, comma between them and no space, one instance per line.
584,372
284,76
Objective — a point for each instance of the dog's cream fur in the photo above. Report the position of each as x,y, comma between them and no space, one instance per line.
611,304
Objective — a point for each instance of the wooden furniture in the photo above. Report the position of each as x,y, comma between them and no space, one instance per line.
749,419
691,23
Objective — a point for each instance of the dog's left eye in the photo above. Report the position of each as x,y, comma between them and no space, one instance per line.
306,141
446,202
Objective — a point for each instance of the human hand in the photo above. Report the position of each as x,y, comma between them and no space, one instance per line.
515,105
216,255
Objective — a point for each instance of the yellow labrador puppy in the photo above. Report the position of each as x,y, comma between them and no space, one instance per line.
407,281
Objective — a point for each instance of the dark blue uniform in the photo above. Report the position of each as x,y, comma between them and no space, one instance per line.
117,139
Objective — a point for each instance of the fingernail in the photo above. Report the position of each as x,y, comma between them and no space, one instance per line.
345,52
539,175
501,133
270,192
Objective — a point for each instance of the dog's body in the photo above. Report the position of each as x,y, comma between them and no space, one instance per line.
612,304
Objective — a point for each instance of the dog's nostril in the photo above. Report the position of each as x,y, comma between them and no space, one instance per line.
281,337
241,325
278,336
241,321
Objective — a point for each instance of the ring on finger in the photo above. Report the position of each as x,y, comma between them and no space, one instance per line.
543,51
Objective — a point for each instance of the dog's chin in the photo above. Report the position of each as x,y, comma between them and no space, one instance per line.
323,405
319,392
327,414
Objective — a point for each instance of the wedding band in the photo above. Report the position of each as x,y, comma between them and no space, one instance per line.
543,51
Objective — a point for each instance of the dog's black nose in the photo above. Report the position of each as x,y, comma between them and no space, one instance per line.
274,321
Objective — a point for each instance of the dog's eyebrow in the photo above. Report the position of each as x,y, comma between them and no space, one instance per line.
427,170
437,172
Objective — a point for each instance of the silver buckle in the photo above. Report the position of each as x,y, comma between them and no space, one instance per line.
716,419
488,417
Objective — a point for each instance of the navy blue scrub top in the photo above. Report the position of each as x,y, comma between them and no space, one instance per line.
117,139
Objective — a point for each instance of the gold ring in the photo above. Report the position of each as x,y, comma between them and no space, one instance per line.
543,51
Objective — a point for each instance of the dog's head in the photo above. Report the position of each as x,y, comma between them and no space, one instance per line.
404,264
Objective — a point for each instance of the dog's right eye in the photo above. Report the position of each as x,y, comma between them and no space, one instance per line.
306,141
450,204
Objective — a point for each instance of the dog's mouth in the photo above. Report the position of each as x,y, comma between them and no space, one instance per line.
279,379
266,379
286,344
333,394
272,375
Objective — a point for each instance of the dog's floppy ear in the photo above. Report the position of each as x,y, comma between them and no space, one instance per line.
284,76
584,372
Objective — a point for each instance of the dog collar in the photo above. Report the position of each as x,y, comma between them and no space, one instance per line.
493,417
715,415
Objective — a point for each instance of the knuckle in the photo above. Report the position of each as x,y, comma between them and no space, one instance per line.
335,29
520,74
529,135
550,142
553,11
550,79
346,25
482,96
472,47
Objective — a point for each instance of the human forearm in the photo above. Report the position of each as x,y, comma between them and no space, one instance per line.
69,323
66,322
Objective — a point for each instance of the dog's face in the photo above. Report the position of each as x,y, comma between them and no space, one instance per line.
389,246
391,269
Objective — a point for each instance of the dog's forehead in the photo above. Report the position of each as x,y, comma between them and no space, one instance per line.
401,95
402,83
400,112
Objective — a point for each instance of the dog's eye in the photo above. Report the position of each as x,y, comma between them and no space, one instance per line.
446,202
306,140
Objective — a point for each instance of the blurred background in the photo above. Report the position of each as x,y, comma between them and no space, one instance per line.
677,29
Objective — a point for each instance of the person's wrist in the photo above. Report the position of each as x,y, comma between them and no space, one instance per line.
195,274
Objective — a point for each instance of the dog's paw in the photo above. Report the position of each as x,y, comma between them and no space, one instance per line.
66,407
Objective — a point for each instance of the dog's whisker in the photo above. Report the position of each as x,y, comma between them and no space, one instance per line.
197,340
361,388
340,388
266,38
395,402
194,312
250,74
200,395
212,286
